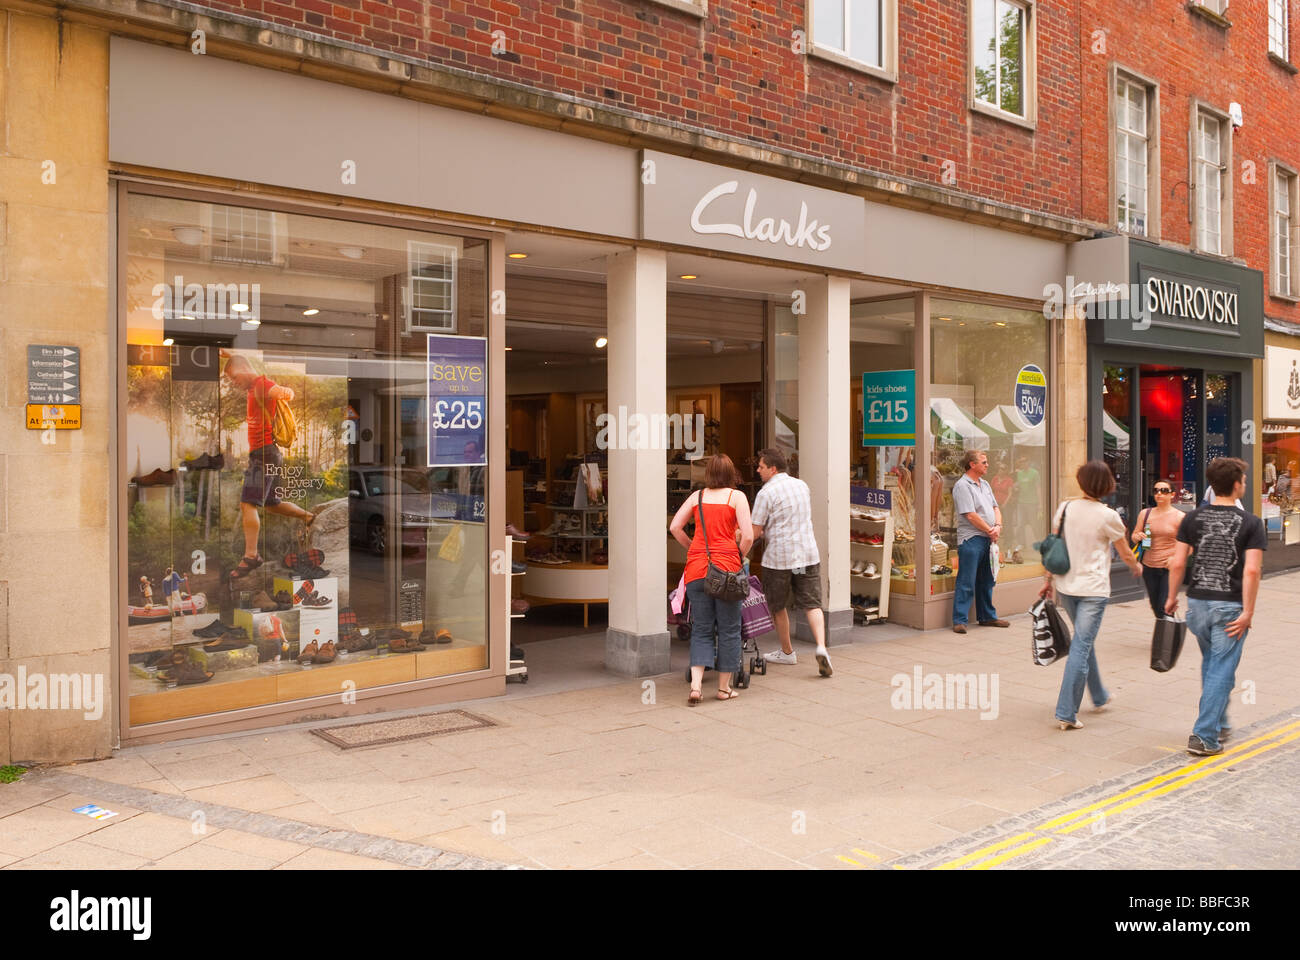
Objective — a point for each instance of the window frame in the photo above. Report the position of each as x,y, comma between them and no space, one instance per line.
696,8
1030,67
1200,108
1276,170
1285,55
1153,212
888,69
1216,11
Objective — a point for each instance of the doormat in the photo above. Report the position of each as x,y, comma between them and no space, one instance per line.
372,733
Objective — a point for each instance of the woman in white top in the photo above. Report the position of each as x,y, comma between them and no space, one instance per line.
1090,529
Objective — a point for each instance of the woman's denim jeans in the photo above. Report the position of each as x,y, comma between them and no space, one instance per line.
705,612
1081,667
1220,655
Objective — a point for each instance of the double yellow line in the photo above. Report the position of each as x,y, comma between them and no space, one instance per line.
1022,843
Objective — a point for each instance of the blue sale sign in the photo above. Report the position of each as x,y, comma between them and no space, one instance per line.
457,396
1031,394
889,408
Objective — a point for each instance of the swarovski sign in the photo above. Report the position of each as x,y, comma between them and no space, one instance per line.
699,204
1169,299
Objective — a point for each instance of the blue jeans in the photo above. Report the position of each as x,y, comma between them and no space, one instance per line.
706,611
1220,655
974,579
1081,667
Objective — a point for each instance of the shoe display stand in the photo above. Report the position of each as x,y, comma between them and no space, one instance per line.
576,529
874,590
516,667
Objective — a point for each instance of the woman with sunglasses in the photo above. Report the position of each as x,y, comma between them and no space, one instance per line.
1157,531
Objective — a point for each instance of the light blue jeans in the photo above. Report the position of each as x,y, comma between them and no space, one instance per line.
1220,654
1081,667
706,611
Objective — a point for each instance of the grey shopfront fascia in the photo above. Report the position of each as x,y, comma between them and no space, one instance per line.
1177,337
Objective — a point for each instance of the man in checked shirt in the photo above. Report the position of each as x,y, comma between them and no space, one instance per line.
792,576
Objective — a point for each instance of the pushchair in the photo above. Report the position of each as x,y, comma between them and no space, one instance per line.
681,623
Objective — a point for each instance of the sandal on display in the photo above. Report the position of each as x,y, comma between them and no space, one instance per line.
403,645
167,659
246,566
428,637
326,654
187,673
443,636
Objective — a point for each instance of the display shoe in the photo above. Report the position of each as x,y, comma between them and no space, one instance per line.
517,568
214,629
167,659
317,600
235,640
308,652
187,673
326,654
283,600
403,645
519,605
870,572
263,602
156,478
1016,557
309,572
858,568
513,531
442,636
304,558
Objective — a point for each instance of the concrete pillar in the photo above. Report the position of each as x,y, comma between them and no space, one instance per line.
637,643
825,405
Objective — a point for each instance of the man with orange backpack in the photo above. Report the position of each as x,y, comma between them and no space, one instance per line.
265,461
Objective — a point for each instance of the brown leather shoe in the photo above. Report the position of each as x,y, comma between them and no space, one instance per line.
959,628
995,623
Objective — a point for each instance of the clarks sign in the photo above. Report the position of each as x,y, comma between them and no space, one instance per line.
705,205
1173,300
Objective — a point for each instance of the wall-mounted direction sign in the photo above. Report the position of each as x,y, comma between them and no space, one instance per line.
53,374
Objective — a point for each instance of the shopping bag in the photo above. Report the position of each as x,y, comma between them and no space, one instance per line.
1051,637
755,617
1167,643
451,544
678,596
995,560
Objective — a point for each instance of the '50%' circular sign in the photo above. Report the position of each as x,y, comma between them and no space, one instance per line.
1031,394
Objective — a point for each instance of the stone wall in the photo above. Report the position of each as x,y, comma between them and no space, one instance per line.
55,549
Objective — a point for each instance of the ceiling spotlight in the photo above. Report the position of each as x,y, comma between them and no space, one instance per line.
352,253
167,342
239,307
186,317
689,276
517,256
946,319
999,323
253,323
190,236
601,342
310,312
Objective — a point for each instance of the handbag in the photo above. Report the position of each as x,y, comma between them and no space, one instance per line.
1139,548
755,617
1167,643
1056,556
1051,637
718,583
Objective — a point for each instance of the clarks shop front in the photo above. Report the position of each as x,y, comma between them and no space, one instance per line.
1170,373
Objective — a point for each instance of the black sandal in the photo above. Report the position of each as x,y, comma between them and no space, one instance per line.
246,566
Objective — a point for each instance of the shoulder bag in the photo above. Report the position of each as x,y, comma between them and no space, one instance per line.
1139,548
718,583
1056,557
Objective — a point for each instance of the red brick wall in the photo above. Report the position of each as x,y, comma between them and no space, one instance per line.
734,72
1190,58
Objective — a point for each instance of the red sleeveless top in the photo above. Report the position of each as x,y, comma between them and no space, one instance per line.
721,521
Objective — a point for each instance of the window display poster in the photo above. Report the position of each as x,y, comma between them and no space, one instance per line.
1031,394
457,394
888,408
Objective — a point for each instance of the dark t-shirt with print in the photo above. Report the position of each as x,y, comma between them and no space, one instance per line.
1219,537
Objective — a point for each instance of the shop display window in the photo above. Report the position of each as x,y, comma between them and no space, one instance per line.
287,535
988,392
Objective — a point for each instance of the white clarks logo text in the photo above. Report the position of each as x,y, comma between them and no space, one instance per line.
76,913
808,233
1190,302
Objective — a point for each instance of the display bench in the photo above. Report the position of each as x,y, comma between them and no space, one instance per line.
581,583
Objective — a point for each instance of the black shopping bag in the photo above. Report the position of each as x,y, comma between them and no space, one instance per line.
1051,637
1167,643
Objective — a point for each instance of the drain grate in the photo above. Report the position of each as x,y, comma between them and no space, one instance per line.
372,733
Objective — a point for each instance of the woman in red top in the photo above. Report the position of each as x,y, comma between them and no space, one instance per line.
726,518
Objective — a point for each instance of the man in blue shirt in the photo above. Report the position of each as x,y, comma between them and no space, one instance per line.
979,524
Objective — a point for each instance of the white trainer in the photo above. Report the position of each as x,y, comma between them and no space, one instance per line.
823,662
780,656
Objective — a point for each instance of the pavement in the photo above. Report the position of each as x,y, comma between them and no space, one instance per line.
849,772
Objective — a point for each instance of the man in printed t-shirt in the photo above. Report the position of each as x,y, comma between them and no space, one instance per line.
1227,548
265,462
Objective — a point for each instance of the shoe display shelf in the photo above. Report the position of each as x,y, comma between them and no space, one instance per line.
866,524
577,533
516,667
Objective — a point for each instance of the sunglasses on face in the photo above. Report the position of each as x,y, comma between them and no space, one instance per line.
1163,490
